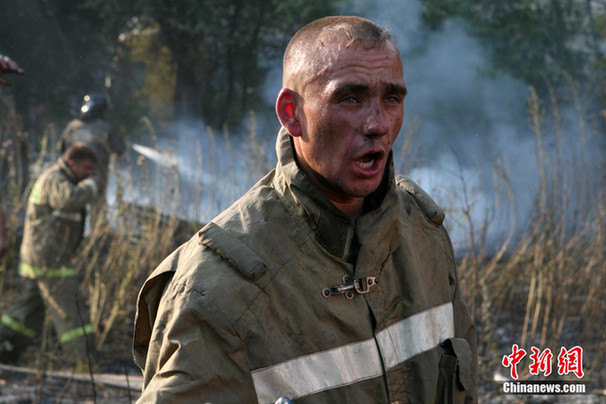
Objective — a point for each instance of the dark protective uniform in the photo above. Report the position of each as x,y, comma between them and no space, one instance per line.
283,295
53,230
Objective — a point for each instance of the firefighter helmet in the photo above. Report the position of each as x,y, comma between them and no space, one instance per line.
94,106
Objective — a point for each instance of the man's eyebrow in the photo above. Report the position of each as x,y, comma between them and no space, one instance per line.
392,88
355,88
352,88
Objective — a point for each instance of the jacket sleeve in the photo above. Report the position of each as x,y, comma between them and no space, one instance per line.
67,196
190,350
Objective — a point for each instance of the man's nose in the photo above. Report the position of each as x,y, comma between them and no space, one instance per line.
376,122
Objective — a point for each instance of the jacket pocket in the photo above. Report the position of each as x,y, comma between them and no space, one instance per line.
454,371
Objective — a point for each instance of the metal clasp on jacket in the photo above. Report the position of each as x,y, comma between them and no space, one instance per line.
349,286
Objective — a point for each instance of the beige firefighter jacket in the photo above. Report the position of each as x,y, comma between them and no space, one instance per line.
54,221
282,295
98,134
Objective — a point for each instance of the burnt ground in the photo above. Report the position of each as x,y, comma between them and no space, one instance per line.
25,385
38,379
41,376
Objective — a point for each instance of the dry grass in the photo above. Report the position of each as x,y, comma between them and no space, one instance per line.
545,286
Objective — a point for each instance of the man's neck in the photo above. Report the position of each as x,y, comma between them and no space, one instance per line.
353,208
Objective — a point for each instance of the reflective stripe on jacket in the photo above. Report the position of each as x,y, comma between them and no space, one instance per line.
54,222
241,312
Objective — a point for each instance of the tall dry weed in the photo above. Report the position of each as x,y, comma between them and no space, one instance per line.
545,284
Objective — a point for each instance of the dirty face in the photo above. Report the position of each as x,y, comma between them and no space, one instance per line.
350,115
81,169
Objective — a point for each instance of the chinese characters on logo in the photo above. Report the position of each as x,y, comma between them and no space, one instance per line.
569,361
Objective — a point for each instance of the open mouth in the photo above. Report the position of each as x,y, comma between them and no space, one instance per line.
368,160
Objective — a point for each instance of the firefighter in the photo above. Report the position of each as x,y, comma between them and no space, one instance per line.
53,230
92,128
327,282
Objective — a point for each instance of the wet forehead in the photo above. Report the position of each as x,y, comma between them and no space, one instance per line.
379,66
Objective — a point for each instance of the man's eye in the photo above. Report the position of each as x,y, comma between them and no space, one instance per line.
349,99
393,99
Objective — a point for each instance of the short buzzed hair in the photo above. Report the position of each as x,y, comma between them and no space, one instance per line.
80,151
306,43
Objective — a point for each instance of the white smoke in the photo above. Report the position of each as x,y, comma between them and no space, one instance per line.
191,171
471,133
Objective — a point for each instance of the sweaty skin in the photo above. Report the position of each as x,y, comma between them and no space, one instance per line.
345,119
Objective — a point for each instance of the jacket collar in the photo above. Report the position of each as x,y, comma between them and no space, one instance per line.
332,228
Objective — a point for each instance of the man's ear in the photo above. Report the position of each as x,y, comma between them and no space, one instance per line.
285,109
